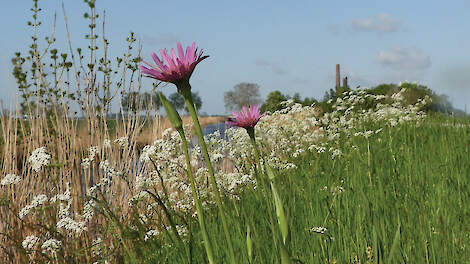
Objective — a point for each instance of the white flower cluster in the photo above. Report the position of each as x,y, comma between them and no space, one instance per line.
66,222
51,246
37,201
107,143
88,210
123,142
291,131
10,179
97,242
151,233
318,230
76,227
39,158
30,242
167,155
148,152
108,169
92,152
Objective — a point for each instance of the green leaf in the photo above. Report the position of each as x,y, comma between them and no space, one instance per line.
270,173
395,243
249,244
285,257
171,112
281,217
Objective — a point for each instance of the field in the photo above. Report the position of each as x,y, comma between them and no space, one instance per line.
388,185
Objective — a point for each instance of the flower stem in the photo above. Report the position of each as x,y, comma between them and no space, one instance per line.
185,90
200,216
251,133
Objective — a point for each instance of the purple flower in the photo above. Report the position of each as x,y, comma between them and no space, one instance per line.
246,118
173,68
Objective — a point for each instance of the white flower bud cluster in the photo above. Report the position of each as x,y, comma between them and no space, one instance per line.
319,230
66,222
151,233
76,227
122,142
37,201
51,246
92,152
30,242
10,179
39,158
108,169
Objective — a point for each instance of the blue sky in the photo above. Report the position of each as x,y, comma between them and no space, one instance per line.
291,46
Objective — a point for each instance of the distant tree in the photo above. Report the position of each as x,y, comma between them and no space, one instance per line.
243,94
156,103
197,100
178,101
136,102
131,101
274,100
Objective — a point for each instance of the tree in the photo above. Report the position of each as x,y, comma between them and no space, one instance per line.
136,102
274,100
177,101
243,94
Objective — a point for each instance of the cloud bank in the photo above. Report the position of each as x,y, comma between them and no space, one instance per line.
401,58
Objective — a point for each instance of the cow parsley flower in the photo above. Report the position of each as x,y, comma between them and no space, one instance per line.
51,245
30,242
39,158
10,179
123,142
37,201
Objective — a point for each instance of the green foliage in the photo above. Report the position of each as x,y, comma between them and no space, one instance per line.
134,102
414,93
274,101
414,211
48,78
177,101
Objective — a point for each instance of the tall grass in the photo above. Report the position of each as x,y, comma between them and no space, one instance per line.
415,211
365,183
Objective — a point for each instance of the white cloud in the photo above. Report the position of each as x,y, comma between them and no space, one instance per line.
400,58
273,66
382,23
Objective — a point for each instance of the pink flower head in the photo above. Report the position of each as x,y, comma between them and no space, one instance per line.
173,68
246,118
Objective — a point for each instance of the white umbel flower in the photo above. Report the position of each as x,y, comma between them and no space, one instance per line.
30,242
51,245
37,201
10,179
39,158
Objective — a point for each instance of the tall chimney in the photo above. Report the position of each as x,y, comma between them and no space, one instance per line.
338,78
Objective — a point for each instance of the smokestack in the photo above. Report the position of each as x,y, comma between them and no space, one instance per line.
338,77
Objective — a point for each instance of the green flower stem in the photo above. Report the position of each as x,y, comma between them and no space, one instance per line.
262,180
185,90
200,216
251,133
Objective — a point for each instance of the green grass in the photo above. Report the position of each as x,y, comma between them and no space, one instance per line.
416,210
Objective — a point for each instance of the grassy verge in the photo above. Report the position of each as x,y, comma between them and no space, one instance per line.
409,204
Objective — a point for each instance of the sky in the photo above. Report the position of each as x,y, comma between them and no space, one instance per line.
290,46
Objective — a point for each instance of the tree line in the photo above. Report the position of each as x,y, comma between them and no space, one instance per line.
134,102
